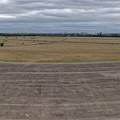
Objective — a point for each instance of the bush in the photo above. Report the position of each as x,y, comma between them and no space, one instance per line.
2,44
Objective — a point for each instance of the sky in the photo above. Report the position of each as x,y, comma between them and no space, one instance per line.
56,16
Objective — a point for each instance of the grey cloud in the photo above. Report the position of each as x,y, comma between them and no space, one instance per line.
59,15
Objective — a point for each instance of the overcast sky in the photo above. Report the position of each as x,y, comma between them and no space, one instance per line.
60,16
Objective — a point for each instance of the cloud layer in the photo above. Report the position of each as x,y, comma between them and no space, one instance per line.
59,15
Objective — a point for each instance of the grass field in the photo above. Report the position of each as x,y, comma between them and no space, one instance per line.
59,49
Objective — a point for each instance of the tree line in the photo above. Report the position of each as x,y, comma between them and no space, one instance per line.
82,34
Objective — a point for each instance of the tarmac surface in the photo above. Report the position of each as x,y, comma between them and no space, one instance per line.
76,91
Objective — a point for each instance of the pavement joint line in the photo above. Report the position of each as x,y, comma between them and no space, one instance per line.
114,97
90,91
36,105
61,99
100,118
12,119
28,105
29,63
59,72
18,80
93,96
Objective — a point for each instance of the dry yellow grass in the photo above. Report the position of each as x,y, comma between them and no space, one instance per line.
59,49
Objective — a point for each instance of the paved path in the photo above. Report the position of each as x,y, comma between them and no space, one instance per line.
78,91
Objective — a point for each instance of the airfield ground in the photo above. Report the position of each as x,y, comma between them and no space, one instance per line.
72,91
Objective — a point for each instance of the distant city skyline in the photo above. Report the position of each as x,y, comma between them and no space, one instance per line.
56,16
